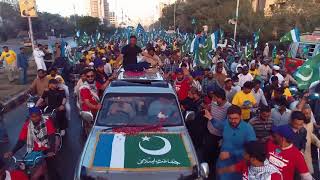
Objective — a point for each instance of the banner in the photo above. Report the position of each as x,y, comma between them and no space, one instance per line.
28,8
141,151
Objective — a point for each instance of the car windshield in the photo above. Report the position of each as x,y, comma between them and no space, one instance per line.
139,110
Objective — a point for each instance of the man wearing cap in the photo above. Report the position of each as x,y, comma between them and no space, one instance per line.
37,134
229,89
182,85
276,72
245,76
101,76
284,155
255,165
53,74
196,81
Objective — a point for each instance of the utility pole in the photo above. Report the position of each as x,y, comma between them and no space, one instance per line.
235,26
31,32
174,15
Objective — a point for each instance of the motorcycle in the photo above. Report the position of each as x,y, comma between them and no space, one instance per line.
31,101
34,162
31,164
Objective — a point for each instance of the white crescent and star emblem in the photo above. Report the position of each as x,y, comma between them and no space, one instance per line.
305,78
164,150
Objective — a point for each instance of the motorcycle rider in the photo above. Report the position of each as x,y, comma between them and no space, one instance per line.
55,99
40,83
38,135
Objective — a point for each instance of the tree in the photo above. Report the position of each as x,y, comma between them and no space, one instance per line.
88,24
216,13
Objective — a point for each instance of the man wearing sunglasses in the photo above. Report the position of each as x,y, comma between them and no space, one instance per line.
90,92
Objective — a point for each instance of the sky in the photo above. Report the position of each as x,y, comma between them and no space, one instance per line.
132,8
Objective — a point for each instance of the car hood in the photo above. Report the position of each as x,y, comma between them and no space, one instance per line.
94,162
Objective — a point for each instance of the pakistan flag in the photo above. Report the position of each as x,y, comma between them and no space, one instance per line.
308,73
118,151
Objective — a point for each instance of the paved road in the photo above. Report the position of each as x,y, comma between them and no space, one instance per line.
72,146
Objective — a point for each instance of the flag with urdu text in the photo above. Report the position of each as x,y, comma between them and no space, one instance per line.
292,36
308,73
147,151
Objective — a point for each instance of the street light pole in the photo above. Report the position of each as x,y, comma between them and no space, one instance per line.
174,15
235,26
31,33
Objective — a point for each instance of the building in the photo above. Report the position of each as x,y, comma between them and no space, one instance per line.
94,8
267,6
162,4
99,9
105,10
113,19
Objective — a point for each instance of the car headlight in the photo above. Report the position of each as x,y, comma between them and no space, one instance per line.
30,104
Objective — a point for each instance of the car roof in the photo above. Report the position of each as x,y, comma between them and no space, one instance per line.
152,74
138,89
148,81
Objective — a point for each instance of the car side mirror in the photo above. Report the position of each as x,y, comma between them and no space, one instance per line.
190,116
86,116
204,170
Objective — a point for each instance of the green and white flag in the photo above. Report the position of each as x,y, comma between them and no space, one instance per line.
274,52
308,73
292,36
142,151
256,38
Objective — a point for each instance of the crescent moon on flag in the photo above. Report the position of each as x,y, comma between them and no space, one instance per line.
164,150
304,78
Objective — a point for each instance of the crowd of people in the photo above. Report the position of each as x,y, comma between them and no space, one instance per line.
248,124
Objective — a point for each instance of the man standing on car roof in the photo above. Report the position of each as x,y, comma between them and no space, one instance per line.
130,53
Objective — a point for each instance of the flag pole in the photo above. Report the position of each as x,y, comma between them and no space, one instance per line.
31,32
235,26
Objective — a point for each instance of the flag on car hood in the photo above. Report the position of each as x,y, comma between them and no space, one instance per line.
308,73
140,152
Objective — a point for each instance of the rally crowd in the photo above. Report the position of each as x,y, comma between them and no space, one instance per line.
248,124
